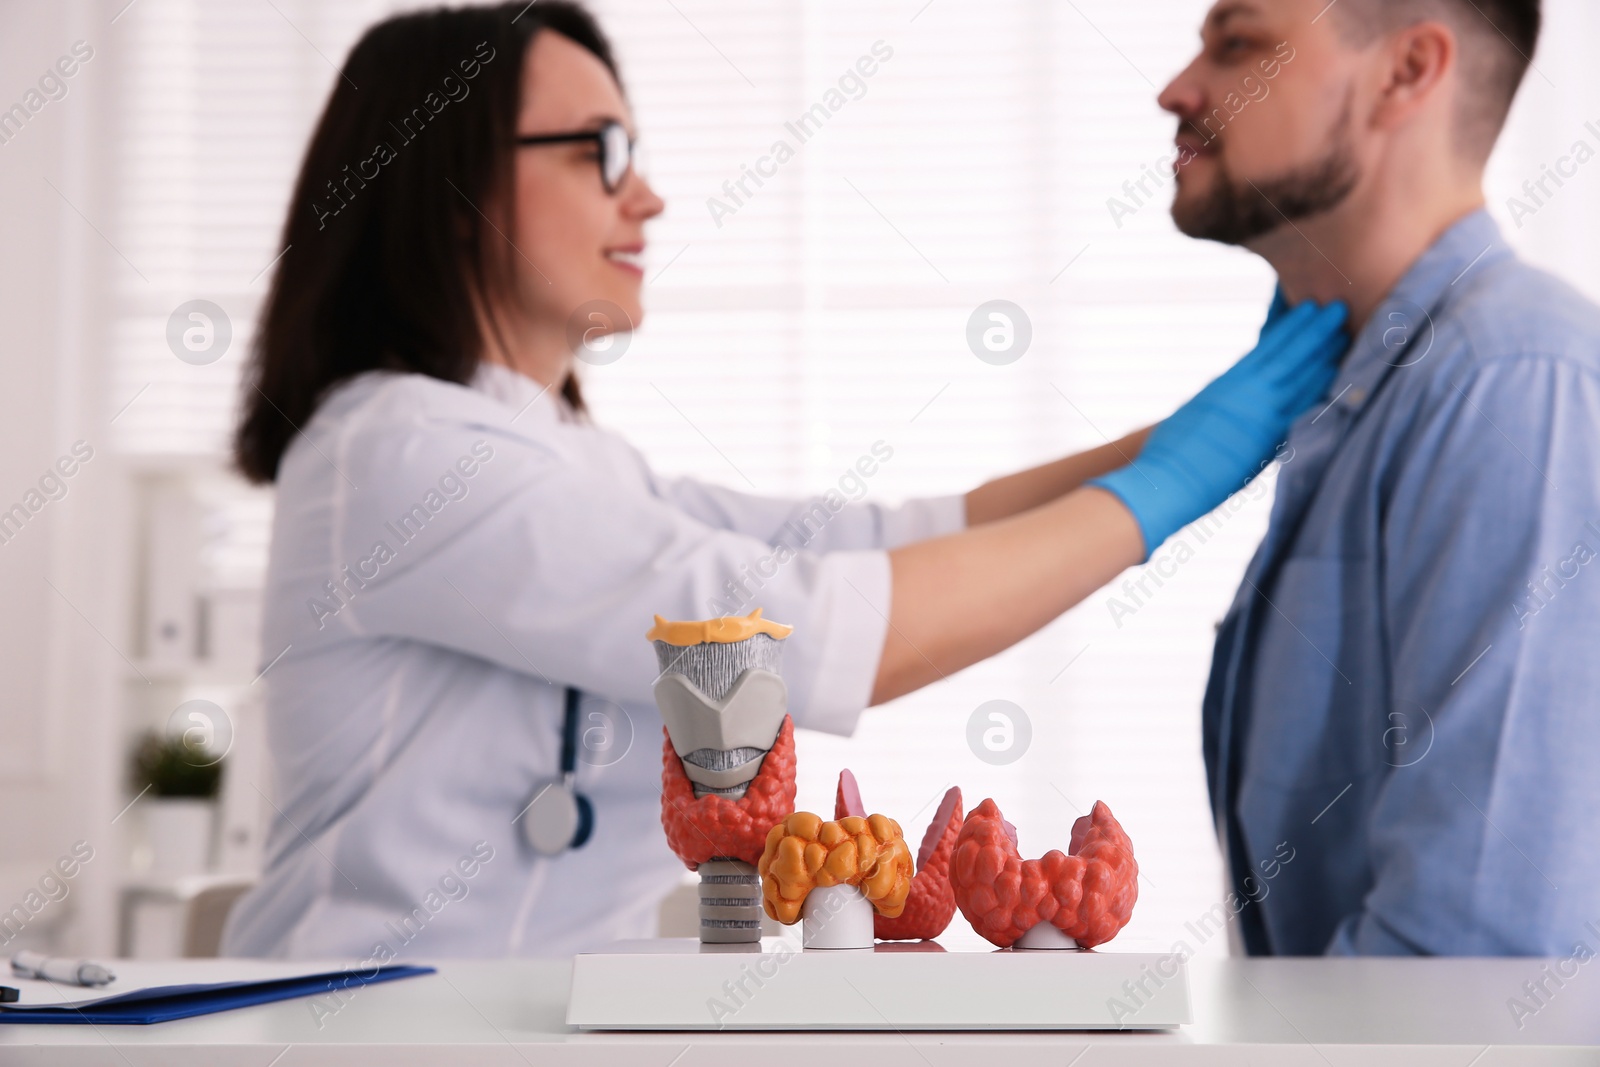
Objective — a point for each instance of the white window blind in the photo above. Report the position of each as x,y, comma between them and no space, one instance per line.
828,311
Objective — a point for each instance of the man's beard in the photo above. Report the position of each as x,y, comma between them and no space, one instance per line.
1235,212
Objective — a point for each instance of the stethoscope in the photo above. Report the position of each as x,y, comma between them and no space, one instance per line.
559,817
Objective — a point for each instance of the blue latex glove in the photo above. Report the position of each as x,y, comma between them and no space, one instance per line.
1215,444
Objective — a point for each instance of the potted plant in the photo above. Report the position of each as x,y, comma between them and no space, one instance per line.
180,812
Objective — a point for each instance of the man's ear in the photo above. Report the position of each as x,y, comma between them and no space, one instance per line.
1418,61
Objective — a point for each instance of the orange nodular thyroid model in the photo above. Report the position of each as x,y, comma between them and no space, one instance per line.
932,903
804,853
1088,895
700,829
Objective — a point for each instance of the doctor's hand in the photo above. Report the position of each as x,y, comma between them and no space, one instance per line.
1212,446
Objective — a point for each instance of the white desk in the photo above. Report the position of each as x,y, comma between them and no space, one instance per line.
1319,1013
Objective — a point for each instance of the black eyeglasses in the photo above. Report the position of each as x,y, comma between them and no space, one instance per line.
611,140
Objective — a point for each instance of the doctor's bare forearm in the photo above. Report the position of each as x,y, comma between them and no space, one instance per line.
959,599
1016,493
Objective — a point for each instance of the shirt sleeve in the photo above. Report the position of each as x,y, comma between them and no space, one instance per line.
1487,843
838,519
535,564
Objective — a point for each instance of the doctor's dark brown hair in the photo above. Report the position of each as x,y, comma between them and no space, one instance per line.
387,250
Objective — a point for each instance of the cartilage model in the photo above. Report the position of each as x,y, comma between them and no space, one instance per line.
1077,900
932,903
728,759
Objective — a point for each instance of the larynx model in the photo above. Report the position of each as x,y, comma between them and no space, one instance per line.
728,760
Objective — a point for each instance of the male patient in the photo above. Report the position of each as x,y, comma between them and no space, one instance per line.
1407,688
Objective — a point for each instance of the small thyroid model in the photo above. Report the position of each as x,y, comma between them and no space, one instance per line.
728,762
836,876
932,903
1077,900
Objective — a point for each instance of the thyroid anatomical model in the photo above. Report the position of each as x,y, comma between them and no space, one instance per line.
1077,900
728,760
932,903
835,876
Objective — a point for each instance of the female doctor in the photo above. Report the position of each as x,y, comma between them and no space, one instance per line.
464,565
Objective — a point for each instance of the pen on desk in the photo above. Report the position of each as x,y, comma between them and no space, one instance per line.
27,964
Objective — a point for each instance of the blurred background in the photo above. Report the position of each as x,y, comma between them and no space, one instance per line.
822,309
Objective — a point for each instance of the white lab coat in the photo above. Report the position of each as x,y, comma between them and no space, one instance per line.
445,560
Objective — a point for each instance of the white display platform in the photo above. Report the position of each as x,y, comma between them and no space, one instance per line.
680,984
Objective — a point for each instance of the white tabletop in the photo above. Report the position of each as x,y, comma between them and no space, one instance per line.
1261,1011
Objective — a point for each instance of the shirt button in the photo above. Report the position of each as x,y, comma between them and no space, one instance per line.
1356,397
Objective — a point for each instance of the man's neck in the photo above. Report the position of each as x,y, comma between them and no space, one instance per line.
1358,252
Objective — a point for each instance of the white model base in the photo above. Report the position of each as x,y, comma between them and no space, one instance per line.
680,984
837,916
1045,937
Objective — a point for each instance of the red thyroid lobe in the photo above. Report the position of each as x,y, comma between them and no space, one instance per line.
1088,895
932,903
714,827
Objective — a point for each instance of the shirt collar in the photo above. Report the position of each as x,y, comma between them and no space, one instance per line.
518,392
1402,330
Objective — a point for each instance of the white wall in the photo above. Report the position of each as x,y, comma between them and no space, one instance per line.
65,615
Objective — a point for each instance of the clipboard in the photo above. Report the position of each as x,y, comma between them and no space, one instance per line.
157,1004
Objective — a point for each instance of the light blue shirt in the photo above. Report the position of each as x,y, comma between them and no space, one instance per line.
1406,691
